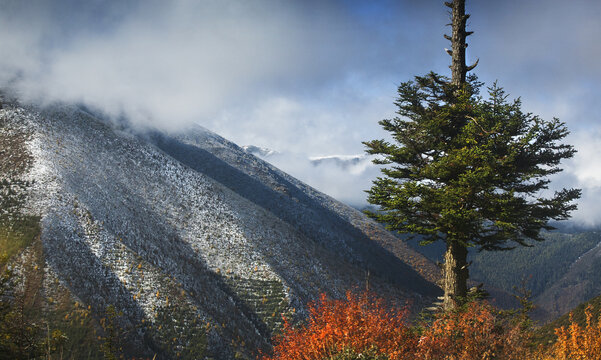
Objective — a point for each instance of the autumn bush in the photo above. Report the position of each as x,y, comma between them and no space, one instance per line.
359,327
362,327
475,331
576,342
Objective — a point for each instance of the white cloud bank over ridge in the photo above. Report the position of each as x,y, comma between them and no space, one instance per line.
280,69
173,66
310,78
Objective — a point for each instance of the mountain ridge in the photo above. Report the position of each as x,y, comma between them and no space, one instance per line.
191,225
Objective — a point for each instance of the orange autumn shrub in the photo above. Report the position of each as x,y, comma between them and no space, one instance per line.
576,342
356,327
361,327
475,331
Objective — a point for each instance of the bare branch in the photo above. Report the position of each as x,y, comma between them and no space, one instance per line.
471,67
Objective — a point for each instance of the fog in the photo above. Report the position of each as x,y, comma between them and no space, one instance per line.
305,78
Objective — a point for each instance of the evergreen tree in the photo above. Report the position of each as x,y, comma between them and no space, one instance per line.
465,169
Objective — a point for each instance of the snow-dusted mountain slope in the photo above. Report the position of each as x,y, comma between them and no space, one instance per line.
192,226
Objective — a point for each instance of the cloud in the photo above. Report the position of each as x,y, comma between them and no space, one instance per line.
170,64
547,53
583,172
308,77
345,178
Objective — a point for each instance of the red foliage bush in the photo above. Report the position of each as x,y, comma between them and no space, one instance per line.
475,331
359,324
362,327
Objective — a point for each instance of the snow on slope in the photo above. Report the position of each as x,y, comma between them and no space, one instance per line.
191,225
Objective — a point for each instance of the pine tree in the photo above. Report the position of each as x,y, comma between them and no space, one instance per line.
465,169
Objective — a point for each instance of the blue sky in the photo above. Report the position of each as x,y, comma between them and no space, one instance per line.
306,78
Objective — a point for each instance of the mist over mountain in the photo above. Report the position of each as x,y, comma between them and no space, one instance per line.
280,77
189,224
344,177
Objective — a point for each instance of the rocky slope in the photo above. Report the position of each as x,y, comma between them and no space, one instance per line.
189,237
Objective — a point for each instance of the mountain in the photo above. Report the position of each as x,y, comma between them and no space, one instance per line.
560,272
546,333
195,243
579,283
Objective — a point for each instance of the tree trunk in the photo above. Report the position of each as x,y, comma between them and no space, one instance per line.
455,275
455,272
458,21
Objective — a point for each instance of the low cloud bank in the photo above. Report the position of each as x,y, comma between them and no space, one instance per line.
344,178
307,77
